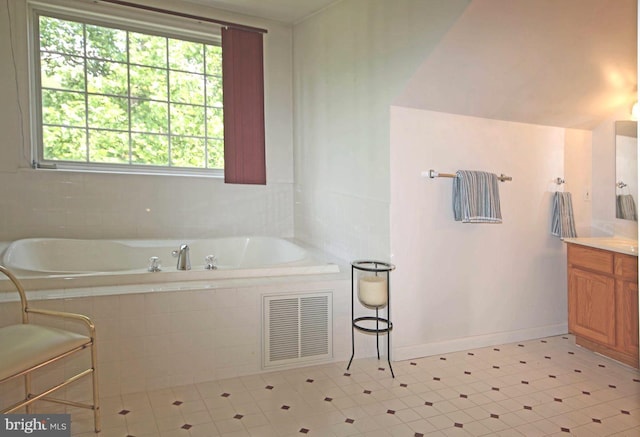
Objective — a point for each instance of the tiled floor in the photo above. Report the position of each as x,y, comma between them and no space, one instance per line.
532,388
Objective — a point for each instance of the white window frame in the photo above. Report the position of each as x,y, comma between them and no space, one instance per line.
109,15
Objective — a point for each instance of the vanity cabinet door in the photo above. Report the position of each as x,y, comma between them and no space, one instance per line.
627,317
592,306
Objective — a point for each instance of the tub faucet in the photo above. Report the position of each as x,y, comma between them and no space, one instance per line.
183,257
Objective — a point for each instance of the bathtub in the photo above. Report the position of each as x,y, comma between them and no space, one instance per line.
83,262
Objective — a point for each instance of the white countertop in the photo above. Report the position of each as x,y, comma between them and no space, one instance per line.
620,245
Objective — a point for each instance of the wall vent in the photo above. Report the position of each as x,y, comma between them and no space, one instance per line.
297,328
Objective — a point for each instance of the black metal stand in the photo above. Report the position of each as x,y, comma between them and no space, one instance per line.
379,268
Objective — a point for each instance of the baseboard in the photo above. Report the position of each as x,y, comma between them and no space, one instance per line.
465,343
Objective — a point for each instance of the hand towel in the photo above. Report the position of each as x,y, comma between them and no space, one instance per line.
476,198
562,221
626,207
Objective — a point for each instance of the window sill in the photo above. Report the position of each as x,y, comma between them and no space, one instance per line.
183,172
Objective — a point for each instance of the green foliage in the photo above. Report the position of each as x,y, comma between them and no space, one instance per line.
116,96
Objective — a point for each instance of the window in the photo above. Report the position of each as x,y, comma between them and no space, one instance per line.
113,96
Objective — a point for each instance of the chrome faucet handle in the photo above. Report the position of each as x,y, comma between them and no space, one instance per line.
154,264
210,262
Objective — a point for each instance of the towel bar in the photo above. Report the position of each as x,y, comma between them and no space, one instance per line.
434,174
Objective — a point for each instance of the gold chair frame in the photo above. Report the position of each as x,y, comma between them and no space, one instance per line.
30,398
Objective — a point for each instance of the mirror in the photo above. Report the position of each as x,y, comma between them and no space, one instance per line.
626,170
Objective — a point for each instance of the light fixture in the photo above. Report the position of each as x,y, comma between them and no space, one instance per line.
635,111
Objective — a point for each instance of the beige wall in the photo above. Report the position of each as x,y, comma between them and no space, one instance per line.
466,285
350,61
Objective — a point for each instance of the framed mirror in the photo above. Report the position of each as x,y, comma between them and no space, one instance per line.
627,170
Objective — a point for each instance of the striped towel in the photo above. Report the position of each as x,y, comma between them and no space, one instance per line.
476,198
562,221
626,207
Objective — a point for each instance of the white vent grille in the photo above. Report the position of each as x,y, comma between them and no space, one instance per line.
297,328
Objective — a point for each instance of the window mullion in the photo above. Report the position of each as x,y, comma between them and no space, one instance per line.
129,100
86,93
169,104
206,107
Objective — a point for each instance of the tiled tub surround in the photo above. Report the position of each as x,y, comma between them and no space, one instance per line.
153,336
533,388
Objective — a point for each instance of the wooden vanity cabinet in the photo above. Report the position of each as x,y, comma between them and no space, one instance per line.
603,301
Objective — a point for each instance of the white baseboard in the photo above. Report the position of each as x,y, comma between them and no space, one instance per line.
465,343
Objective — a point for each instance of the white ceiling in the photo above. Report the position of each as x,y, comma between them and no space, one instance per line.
568,63
286,11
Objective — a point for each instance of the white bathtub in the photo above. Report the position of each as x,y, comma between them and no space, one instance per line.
120,262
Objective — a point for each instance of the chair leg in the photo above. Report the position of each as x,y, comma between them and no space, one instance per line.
27,390
94,378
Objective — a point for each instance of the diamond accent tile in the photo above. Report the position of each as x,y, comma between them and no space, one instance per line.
596,420
391,412
309,380
403,385
225,395
238,416
328,399
124,412
367,392
304,431
495,416
349,420
186,426
269,387
177,403
285,407
458,425
565,429
528,407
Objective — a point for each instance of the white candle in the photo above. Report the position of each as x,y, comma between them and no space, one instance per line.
372,291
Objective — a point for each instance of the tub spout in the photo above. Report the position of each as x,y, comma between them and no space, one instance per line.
183,257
